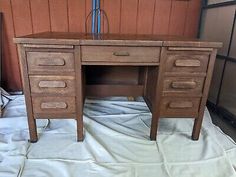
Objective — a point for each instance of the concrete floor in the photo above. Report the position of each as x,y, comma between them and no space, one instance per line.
224,124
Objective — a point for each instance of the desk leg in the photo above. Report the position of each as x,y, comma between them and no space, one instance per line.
155,117
154,126
196,128
152,96
79,93
198,121
79,105
80,136
156,76
32,129
28,101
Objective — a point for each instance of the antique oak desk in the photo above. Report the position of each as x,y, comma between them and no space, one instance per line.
59,70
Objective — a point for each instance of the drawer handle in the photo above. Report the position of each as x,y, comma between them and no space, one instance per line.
183,84
51,62
187,63
54,105
121,53
181,105
52,84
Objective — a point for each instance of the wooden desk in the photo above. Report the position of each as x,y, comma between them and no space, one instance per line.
59,70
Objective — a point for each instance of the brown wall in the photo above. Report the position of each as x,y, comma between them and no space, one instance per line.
21,17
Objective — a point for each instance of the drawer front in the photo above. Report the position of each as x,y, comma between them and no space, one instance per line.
50,62
180,107
53,105
183,85
120,54
186,62
52,85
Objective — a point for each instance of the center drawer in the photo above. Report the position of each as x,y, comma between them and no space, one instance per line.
118,54
52,84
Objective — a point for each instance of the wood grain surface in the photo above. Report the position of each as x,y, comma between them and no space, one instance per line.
125,16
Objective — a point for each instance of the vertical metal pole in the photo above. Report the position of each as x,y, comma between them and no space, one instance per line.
93,15
98,17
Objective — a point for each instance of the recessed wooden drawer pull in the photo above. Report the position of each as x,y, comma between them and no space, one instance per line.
187,63
121,53
181,105
52,84
183,85
51,62
54,105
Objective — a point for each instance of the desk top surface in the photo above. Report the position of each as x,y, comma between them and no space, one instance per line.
70,38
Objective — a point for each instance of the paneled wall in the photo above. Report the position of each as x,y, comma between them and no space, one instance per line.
21,17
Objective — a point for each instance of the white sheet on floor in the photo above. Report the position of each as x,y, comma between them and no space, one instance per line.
116,144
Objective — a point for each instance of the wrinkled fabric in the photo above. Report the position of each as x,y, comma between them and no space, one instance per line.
116,144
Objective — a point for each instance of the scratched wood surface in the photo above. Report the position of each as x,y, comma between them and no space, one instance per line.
23,17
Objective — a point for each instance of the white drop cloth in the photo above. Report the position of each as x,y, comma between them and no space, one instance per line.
116,144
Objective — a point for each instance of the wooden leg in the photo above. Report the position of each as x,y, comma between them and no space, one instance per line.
80,96
32,130
152,96
80,135
197,128
154,126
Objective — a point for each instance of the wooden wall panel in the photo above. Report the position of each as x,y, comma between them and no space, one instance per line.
59,15
178,17
22,26
162,16
88,15
129,12
145,16
76,15
10,68
112,9
40,15
174,17
192,20
22,17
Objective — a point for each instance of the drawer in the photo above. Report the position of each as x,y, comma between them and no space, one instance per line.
190,62
183,85
52,84
118,54
179,107
50,62
53,105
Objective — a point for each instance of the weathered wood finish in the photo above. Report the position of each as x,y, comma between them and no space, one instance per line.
183,85
180,107
50,61
186,61
120,54
58,105
198,120
23,17
64,85
60,69
28,99
80,93
114,90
